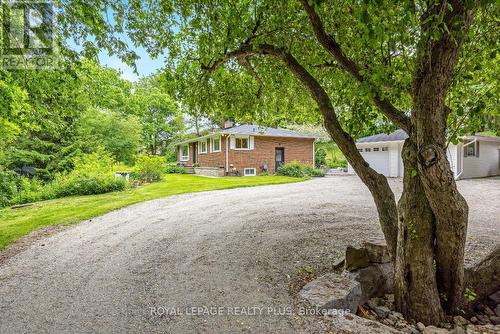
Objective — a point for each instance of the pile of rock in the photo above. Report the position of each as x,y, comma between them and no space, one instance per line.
364,289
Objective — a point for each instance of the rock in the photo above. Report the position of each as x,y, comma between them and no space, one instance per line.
495,320
483,278
420,326
435,330
398,315
376,279
400,324
356,258
372,303
458,330
352,324
474,320
377,251
382,311
497,310
482,319
488,311
460,321
390,298
495,297
333,291
339,265
388,321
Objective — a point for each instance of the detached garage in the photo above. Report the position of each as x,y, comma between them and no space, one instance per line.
475,156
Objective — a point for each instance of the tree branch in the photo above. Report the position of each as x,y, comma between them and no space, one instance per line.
334,49
376,183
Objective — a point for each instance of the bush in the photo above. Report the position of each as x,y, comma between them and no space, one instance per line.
8,187
149,168
337,163
297,169
320,157
174,169
93,174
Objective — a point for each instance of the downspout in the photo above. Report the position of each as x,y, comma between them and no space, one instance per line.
314,153
227,154
462,160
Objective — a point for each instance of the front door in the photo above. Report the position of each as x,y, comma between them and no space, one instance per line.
195,150
279,157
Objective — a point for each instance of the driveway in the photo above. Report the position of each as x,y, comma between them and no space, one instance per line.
161,266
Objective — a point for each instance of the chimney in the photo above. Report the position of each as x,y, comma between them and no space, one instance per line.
227,124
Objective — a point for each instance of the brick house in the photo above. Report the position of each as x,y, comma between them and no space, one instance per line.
245,150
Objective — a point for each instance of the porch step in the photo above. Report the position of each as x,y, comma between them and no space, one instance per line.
189,170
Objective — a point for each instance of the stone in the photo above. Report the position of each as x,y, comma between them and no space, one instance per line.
435,330
390,298
497,310
376,279
495,320
382,311
482,319
398,315
495,297
377,251
388,321
420,326
356,258
482,278
352,324
458,330
372,303
488,311
339,264
474,320
333,291
460,321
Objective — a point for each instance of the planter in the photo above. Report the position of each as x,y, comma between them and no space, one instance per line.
209,171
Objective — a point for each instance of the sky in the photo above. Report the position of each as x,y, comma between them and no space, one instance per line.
145,66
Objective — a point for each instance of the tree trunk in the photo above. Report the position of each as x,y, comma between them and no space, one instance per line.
416,293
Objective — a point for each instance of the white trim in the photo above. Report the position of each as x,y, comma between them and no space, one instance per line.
212,144
199,147
227,154
248,168
183,157
242,137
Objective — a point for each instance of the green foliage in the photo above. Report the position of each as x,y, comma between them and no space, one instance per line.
320,157
174,169
297,169
149,168
470,295
117,134
93,174
8,187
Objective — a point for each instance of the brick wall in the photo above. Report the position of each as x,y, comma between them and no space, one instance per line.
296,149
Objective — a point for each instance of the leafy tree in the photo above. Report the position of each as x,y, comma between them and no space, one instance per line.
117,134
409,64
157,113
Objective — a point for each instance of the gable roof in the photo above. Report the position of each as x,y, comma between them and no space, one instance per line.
250,129
398,135
254,130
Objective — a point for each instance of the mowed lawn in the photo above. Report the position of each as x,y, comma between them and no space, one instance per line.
14,223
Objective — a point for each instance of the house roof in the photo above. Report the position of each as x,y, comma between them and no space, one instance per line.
255,130
398,135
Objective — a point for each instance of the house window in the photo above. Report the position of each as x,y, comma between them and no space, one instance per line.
385,148
360,150
203,146
216,144
472,149
376,149
249,172
242,143
185,152
368,149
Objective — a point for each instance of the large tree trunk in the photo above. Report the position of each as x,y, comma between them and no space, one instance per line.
416,293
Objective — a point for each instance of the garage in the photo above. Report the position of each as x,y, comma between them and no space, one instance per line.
378,158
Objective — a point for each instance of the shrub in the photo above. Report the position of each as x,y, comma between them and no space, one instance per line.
149,168
320,157
8,187
93,174
297,169
337,163
174,169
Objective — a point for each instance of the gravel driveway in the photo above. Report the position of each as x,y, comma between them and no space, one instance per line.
143,268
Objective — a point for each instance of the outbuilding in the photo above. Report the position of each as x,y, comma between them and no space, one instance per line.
474,156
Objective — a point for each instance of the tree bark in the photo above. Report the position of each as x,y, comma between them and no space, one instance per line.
415,288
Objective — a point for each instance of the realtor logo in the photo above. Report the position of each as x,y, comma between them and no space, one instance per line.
27,34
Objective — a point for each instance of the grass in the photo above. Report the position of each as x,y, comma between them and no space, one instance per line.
15,223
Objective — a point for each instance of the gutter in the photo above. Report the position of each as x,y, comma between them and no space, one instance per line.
462,160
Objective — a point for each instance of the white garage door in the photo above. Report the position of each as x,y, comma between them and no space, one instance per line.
378,160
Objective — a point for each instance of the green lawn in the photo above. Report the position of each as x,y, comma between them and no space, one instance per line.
14,223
